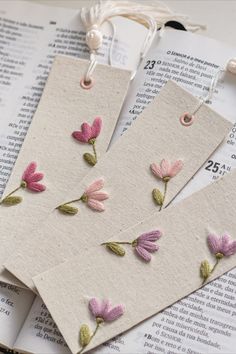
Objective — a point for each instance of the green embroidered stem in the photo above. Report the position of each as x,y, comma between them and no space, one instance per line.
164,195
15,190
92,336
215,265
119,243
83,198
94,150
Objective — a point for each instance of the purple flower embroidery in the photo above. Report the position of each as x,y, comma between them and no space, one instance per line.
220,246
144,245
88,135
93,197
102,311
165,171
30,179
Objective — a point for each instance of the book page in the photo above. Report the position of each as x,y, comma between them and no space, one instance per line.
30,36
39,333
15,304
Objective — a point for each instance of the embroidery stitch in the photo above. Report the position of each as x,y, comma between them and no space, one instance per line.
92,196
88,135
220,246
30,180
165,172
102,312
143,245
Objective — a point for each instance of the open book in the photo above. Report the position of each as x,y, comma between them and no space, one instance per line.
204,321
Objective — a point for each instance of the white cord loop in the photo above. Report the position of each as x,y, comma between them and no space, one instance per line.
152,16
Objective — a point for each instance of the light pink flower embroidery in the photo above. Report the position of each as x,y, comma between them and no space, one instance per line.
220,246
29,181
144,245
102,311
93,197
89,134
165,171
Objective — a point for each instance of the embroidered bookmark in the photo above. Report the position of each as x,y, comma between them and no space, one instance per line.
146,290
62,131
128,180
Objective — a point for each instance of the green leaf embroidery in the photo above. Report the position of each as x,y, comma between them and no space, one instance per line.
90,159
115,248
205,270
157,196
11,200
84,335
68,209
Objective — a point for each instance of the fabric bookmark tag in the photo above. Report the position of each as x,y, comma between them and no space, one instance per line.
193,246
132,175
72,128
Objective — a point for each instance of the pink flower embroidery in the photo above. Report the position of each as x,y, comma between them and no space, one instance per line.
144,245
165,172
93,197
102,311
29,181
88,134
31,178
220,246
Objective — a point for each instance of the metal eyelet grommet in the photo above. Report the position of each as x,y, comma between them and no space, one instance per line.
86,84
186,119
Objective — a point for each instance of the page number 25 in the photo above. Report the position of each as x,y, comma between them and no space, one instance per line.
212,166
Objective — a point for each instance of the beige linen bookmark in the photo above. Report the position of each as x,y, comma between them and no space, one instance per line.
144,289
157,134
64,107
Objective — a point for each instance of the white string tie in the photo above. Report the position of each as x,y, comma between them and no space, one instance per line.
151,16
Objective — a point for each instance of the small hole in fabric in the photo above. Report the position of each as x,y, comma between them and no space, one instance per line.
186,119
86,84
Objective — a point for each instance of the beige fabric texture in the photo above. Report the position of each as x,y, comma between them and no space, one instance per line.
157,134
144,289
64,106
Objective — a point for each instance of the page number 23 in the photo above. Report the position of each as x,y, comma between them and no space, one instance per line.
150,64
